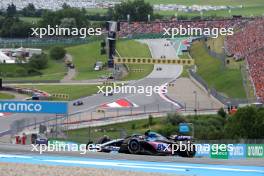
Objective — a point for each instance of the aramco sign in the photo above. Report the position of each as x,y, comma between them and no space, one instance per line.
34,107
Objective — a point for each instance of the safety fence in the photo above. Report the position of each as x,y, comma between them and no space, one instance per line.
29,81
101,116
35,42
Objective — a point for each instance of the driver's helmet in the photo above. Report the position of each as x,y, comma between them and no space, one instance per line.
150,136
147,133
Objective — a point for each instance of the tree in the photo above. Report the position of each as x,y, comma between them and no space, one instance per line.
38,61
57,53
11,10
65,6
221,112
56,18
29,10
247,123
13,27
175,119
138,10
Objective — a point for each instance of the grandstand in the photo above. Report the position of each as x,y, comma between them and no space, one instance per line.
157,27
248,43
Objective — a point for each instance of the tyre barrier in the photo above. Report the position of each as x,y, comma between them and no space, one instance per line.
126,60
100,111
62,96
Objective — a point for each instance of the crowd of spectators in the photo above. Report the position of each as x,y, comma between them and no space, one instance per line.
248,43
256,68
155,27
247,40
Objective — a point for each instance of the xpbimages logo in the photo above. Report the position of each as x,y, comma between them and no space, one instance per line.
128,89
197,31
62,31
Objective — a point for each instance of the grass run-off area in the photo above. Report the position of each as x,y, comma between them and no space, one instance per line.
246,11
55,71
208,2
6,96
131,48
74,91
225,80
84,58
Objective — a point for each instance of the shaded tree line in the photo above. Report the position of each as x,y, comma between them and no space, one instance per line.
246,123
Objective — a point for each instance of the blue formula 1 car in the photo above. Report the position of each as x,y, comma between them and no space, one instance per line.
151,143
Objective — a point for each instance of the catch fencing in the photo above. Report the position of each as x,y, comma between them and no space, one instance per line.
99,117
35,42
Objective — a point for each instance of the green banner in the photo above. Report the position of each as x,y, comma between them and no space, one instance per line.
255,150
219,151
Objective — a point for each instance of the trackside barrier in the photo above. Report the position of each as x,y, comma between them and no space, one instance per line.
255,150
62,96
202,150
230,151
238,152
126,60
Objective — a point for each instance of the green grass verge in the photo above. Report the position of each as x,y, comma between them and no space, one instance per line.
131,48
74,91
6,96
208,2
96,11
185,73
247,12
225,80
54,71
84,58
216,44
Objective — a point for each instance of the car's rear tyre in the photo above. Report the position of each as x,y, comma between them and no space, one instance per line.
134,146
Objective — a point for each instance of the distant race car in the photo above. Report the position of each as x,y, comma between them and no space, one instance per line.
159,69
109,94
151,143
78,103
